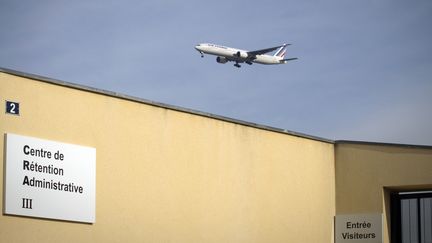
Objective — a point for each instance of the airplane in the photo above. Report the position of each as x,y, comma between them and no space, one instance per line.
225,54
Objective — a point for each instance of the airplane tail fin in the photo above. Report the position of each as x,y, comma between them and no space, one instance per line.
281,51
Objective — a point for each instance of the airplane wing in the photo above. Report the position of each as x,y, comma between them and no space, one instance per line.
263,51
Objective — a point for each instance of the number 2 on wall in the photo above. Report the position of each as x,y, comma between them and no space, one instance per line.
12,107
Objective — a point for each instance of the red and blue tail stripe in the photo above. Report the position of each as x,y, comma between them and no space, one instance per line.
281,51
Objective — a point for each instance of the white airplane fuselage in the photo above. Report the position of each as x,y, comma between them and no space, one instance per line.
225,54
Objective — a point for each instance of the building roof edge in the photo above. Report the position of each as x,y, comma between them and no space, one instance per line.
161,105
382,144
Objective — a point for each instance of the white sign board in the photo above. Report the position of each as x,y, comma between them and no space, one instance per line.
49,179
358,228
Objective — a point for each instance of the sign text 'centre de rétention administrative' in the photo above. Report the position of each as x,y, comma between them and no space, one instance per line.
49,179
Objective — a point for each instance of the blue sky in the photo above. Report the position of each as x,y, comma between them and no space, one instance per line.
364,70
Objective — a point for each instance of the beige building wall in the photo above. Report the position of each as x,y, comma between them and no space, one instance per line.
366,173
166,175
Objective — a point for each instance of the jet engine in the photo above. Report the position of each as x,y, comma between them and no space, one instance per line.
241,54
221,60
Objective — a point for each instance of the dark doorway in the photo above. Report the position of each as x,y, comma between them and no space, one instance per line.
411,217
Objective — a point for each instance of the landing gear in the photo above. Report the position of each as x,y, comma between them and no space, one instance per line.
202,54
237,65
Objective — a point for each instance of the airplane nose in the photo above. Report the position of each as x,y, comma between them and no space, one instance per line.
199,49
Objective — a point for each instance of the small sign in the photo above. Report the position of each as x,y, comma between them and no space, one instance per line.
49,179
12,108
358,228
